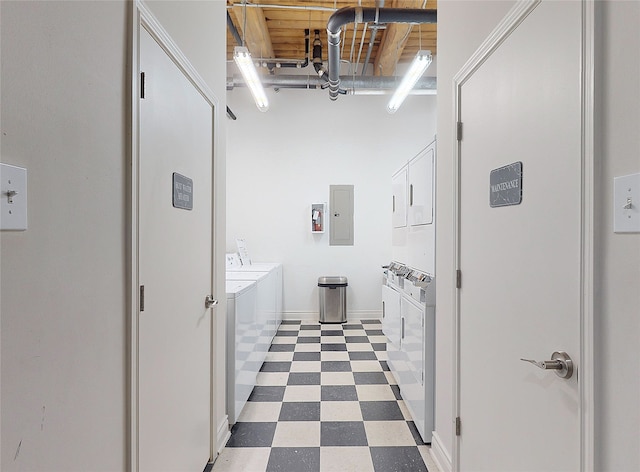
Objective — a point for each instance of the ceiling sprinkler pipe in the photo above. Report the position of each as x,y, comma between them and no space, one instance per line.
377,16
296,64
356,85
317,57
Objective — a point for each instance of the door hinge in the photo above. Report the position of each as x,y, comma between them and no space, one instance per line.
458,278
142,85
458,426
459,131
141,297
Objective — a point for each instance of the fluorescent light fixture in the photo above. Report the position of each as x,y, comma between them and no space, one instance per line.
416,69
243,59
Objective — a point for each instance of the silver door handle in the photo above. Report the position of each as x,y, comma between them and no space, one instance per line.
209,301
560,362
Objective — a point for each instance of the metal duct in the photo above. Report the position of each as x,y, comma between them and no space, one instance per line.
360,15
358,84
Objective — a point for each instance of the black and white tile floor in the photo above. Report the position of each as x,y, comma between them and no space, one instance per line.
325,401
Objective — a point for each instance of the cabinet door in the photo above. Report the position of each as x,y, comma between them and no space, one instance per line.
421,188
391,315
399,190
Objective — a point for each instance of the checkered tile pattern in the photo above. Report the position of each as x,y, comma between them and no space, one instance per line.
325,401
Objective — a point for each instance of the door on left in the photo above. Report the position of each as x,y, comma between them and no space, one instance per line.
175,266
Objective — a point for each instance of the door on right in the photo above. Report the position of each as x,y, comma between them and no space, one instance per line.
520,249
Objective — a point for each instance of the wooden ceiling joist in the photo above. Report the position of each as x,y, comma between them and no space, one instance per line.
256,35
393,41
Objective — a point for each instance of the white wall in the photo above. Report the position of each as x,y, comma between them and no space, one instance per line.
282,161
462,27
63,289
64,280
618,307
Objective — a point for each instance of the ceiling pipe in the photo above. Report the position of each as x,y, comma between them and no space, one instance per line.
295,64
317,57
282,7
355,85
372,40
360,15
273,63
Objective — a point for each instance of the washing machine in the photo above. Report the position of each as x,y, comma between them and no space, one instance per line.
274,273
241,339
266,306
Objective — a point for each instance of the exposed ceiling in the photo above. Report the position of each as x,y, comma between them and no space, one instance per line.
275,30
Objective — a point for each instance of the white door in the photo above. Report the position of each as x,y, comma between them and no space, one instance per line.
399,202
520,265
175,268
421,188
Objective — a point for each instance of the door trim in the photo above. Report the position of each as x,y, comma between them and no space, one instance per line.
587,349
142,17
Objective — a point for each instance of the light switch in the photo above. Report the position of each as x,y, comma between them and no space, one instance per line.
626,204
13,198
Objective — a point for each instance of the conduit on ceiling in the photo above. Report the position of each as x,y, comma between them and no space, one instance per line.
377,16
352,85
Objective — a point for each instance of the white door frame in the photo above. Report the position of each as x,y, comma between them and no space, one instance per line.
586,356
143,18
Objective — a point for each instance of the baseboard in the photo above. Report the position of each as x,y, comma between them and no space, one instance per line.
223,434
351,315
440,454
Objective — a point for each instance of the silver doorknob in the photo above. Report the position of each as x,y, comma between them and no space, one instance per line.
209,301
560,362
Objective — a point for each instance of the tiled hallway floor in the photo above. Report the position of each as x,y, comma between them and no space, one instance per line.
325,401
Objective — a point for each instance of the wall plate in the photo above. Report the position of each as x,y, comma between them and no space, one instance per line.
13,198
626,204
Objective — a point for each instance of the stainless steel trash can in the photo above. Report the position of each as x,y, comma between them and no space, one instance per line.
333,299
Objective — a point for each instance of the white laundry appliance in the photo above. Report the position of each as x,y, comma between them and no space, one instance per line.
264,326
408,322
241,340
274,270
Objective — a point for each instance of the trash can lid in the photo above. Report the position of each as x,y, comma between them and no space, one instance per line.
332,280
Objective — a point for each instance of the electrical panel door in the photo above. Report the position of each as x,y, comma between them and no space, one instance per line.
341,227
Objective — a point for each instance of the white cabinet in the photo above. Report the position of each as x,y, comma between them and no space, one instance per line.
420,177
412,188
399,202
